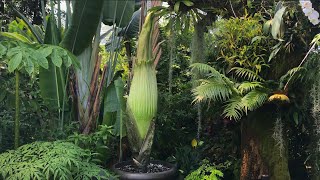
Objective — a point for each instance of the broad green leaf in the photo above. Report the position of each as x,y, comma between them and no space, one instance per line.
119,85
29,67
188,3
15,36
3,50
119,12
45,52
56,58
176,6
51,78
30,26
111,105
74,60
67,61
267,26
15,62
132,29
13,51
277,23
43,62
85,20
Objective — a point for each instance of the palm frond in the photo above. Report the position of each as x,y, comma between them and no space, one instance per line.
212,89
246,74
238,106
254,99
234,108
205,69
246,86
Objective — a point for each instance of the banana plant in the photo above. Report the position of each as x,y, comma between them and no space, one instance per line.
85,27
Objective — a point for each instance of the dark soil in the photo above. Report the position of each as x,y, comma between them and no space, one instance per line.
151,168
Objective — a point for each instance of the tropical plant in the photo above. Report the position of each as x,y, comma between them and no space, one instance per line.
239,98
143,96
21,56
254,83
50,160
205,171
99,142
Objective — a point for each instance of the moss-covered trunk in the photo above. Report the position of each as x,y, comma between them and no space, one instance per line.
261,155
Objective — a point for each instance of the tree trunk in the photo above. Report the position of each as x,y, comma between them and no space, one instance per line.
261,156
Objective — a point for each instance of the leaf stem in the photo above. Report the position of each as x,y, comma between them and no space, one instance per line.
303,60
17,113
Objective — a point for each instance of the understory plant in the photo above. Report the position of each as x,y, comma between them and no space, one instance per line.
205,171
50,160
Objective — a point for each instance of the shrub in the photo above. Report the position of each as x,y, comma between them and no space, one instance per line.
205,171
50,160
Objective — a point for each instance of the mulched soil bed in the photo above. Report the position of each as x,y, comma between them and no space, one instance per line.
151,168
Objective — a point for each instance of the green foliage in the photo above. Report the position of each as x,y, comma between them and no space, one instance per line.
238,98
85,20
204,172
239,42
243,73
118,12
98,142
27,57
277,24
238,106
19,26
37,121
50,160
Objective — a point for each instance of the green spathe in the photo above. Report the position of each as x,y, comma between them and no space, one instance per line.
143,97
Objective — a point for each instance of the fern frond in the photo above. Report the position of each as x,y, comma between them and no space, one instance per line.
246,86
246,74
212,89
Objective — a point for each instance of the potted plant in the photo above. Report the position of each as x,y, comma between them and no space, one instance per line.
142,108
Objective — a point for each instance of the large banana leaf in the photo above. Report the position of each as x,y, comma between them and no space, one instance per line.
132,29
85,20
114,106
52,79
118,12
